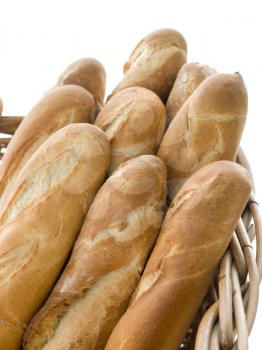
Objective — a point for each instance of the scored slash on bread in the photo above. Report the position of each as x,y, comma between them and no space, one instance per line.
188,78
59,107
196,231
49,178
134,121
207,128
41,218
155,62
105,266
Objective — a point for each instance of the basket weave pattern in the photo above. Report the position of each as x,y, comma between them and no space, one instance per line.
227,314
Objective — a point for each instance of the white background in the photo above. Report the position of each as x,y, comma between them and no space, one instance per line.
38,39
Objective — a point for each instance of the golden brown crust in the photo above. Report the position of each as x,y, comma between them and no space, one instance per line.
207,128
155,62
91,75
193,238
61,106
188,79
41,219
134,122
108,257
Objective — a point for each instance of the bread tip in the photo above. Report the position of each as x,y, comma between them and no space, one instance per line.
238,75
239,78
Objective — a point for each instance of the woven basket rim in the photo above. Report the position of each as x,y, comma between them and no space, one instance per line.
228,312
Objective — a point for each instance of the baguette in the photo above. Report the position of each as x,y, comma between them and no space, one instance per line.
41,219
155,62
134,122
207,128
196,231
91,75
108,257
61,106
188,79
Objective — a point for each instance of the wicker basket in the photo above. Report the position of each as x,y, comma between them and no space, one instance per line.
227,314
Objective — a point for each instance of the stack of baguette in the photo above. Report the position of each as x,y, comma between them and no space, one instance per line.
111,233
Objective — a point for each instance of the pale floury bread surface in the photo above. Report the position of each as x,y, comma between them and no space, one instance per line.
134,121
88,73
104,269
196,231
155,62
60,107
188,79
207,128
41,219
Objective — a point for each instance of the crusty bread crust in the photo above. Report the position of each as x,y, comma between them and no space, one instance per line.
207,128
91,75
155,62
60,107
108,257
196,231
188,79
41,219
134,121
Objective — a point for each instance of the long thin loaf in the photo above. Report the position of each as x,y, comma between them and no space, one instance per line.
108,257
196,231
207,128
188,78
155,62
91,75
41,219
134,121
60,107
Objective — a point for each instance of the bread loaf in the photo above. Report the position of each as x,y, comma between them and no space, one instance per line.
196,231
188,79
41,219
134,122
61,106
155,62
108,257
91,75
207,128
